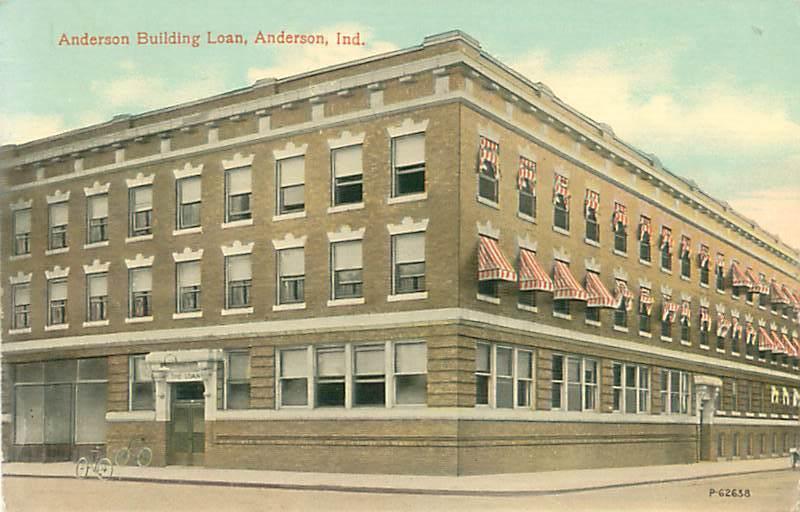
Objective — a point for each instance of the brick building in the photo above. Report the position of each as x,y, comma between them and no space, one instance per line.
420,262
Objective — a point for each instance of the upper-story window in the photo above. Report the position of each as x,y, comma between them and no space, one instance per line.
140,303
526,183
669,311
188,192
619,224
291,276
686,261
763,297
57,301
22,232
238,281
645,310
686,322
188,286
674,392
736,335
561,202
666,248
96,297
348,175
624,304
21,299
704,261
347,266
574,383
141,210
645,238
408,263
720,272
57,230
591,205
97,218
408,164
488,170
291,180
238,190
723,326
499,382
705,326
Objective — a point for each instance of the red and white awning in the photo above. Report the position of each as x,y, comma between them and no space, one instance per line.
765,341
666,239
777,343
789,295
703,256
723,325
776,295
705,320
686,313
599,296
646,301
750,333
623,293
527,172
761,286
686,248
738,277
531,275
592,202
645,228
754,282
668,311
489,156
492,265
566,286
620,217
791,349
561,188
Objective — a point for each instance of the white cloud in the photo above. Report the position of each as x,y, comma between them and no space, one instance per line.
775,210
644,105
135,91
21,127
291,60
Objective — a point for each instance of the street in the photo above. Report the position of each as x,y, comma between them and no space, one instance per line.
774,491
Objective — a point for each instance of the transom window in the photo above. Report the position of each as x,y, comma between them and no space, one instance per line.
631,385
22,232
348,177
408,262
574,383
503,376
291,276
408,164
189,194
58,221
291,180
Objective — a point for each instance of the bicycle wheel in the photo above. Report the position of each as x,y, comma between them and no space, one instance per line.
122,456
82,468
104,468
145,457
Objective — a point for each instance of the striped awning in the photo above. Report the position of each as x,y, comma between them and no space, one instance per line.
777,343
720,260
686,246
761,286
599,296
703,256
492,265
686,313
620,217
645,228
765,341
531,275
796,343
666,239
776,295
592,202
738,277
489,154
669,310
561,188
789,295
754,282
705,320
623,293
527,172
791,349
566,286
723,325
750,333
646,301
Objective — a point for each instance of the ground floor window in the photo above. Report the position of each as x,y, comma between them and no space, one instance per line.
141,389
631,386
60,402
674,392
237,379
574,383
503,376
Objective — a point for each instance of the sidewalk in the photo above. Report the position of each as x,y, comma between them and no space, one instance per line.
514,484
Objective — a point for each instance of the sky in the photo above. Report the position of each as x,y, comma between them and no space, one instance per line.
710,87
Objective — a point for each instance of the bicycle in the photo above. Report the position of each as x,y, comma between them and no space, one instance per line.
143,457
101,466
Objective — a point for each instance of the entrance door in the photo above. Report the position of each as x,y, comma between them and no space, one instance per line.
186,445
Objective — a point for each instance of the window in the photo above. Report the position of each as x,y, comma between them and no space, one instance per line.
734,396
189,196
561,306
410,373
704,265
591,206
97,218
97,297
705,326
140,203
238,280
21,296
188,285
238,191
237,379
720,273
667,317
294,377
408,254
736,336
686,263
57,301
561,202
348,177
631,385
621,311
666,248
347,270
686,322
59,218
330,377
369,370
674,392
645,310
22,232
620,227
488,173
291,179
141,286
526,183
527,298
503,376
291,276
748,443
645,236
579,391
142,389
763,298
408,164
593,314
723,326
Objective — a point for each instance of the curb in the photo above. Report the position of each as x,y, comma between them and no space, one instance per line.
407,491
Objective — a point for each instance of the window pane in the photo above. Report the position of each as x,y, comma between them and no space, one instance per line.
292,262
370,393
504,361
347,161
92,369
558,367
293,363
22,295
141,280
411,358
481,390
98,207
98,285
292,171
29,372
630,400
60,371
330,394
59,214
90,409
29,415
238,366
330,363
57,417
574,397
239,268
294,392
142,198
409,248
190,190
411,389
22,222
58,290
142,397
573,369
347,255
189,274
238,396
505,393
524,364
483,358
409,150
369,361
617,374
141,370
630,376
292,198
238,181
